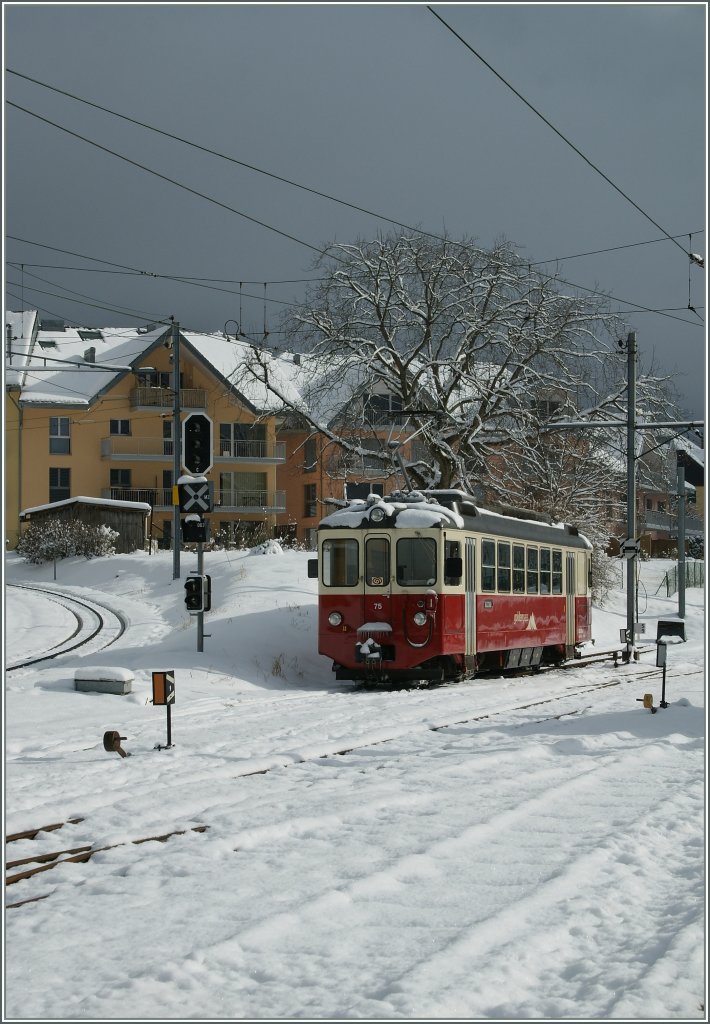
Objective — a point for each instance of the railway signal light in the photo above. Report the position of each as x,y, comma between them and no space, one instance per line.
194,594
197,443
198,594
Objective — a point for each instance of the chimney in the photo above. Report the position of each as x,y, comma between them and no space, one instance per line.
90,355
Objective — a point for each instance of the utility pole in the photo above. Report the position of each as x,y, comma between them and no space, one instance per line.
681,535
177,437
632,353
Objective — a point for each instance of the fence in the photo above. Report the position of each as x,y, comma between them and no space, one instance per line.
694,577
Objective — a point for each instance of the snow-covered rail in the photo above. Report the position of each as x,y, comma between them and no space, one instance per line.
95,624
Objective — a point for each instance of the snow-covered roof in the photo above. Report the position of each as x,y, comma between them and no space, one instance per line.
22,326
82,499
49,378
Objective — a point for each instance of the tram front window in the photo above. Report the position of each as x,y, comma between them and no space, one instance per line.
340,563
377,562
416,562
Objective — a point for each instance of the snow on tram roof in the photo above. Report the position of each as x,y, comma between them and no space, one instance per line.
414,510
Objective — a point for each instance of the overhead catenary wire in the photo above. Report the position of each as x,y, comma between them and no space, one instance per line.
172,181
593,291
556,130
224,156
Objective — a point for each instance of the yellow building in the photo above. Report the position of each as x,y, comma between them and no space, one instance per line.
90,412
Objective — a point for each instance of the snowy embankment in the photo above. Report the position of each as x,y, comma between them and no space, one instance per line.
508,849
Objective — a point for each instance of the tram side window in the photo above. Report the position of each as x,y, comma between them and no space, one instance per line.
556,572
377,562
504,568
416,562
340,558
545,571
518,569
532,574
452,549
488,565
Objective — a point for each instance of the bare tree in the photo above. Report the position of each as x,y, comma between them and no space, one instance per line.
469,347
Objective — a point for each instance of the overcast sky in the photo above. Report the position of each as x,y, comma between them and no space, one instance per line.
378,105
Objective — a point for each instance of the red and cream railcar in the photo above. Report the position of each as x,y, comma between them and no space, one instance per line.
430,586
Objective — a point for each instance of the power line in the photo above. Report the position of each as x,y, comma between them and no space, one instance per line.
615,248
194,283
224,156
556,130
172,181
124,267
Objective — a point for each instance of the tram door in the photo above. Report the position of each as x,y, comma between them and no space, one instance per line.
470,579
571,592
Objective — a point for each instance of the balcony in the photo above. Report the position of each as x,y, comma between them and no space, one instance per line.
157,497
250,501
264,502
250,451
163,398
124,447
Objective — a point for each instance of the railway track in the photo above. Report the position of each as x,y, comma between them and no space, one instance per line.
39,863
93,620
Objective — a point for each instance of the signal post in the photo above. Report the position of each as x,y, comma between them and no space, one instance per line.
194,496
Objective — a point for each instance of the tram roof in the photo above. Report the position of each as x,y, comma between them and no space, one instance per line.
432,509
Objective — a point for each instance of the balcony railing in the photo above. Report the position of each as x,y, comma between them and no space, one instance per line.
250,451
157,497
225,501
163,398
251,501
124,446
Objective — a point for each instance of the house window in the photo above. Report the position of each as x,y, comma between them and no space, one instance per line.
167,437
309,500
245,490
120,478
361,491
59,484
120,426
242,440
382,409
59,435
156,378
310,455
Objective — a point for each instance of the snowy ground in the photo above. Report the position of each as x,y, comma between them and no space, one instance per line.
503,849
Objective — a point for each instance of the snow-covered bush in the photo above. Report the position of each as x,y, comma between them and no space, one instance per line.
56,538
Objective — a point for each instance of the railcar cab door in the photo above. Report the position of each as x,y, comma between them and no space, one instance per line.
571,579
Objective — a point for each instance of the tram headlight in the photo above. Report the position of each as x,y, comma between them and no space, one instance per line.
377,514
420,618
335,618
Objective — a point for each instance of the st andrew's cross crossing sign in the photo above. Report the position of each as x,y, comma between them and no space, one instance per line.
195,497
197,443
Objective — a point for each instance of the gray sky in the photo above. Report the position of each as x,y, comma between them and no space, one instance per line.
379,105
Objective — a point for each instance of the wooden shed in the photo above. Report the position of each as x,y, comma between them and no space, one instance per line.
129,519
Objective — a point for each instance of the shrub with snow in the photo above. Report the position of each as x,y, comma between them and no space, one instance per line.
269,547
56,538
